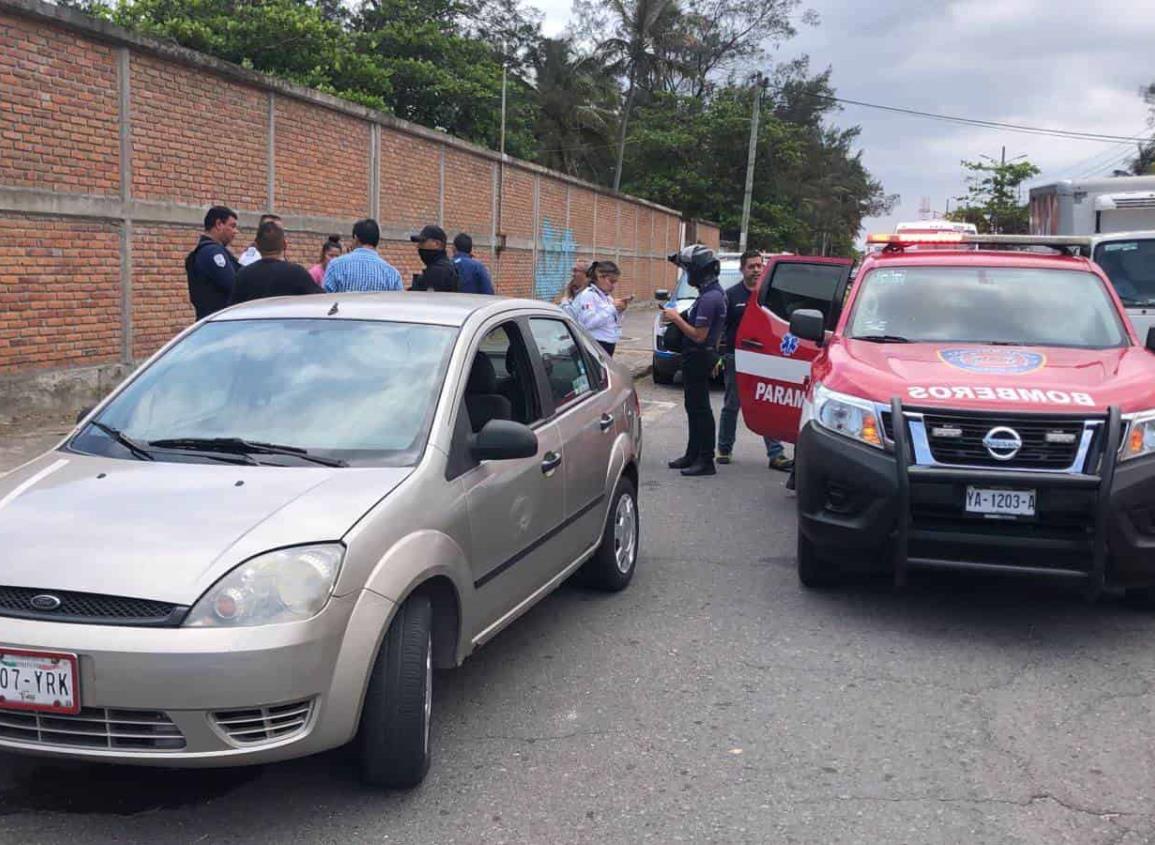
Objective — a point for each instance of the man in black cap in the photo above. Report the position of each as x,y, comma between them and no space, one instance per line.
440,274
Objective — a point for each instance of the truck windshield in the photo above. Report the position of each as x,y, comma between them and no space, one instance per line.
1022,306
727,278
1130,265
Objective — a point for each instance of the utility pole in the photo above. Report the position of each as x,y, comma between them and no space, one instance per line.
742,238
501,165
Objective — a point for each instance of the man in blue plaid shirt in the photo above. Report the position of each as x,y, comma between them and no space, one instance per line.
362,269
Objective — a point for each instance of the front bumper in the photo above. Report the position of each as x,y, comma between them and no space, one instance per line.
202,690
857,503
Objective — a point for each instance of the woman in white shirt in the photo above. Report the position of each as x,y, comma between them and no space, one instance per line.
598,310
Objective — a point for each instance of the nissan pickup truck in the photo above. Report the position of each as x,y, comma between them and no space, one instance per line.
985,408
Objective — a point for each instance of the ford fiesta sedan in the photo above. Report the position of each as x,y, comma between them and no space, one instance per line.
261,545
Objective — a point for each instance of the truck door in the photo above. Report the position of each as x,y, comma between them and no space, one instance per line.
773,365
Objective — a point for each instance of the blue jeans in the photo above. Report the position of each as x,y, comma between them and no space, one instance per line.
728,424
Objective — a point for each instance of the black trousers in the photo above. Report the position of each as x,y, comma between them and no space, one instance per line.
697,365
608,347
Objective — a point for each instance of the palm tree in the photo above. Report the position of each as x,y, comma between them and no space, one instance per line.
575,98
639,51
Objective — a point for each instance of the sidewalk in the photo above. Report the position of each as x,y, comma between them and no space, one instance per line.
636,349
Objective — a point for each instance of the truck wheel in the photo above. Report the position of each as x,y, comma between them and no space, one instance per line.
394,736
613,564
814,572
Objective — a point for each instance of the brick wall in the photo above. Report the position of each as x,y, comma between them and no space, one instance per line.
111,147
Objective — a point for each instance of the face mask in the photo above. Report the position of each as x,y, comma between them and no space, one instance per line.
428,256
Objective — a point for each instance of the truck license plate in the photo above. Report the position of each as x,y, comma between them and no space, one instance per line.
40,681
985,500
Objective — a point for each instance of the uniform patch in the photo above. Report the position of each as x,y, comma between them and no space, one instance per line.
220,260
993,361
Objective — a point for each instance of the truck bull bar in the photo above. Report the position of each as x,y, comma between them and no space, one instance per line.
1101,482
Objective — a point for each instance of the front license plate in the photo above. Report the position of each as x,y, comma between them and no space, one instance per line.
38,680
985,500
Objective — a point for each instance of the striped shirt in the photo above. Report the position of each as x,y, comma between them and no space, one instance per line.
361,270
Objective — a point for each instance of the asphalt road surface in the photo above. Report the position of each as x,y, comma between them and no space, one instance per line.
713,701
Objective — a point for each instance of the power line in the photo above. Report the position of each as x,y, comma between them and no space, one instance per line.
986,124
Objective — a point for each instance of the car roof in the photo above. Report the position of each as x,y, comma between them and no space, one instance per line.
971,258
435,309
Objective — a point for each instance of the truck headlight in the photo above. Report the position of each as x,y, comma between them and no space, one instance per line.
288,585
1140,439
847,415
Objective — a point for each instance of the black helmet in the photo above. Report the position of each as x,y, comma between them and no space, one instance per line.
699,262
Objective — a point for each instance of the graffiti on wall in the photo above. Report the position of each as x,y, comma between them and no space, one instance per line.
555,255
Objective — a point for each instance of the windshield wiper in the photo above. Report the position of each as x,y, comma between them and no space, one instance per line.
881,338
240,446
124,440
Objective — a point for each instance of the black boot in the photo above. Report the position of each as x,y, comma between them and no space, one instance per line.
702,466
681,463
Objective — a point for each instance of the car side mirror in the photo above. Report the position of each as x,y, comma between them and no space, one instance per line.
808,324
503,440
662,295
84,413
1151,338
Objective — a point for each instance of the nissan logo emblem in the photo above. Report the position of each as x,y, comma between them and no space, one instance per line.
45,602
1003,443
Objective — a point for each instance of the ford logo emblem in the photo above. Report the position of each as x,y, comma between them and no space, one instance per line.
1003,443
45,602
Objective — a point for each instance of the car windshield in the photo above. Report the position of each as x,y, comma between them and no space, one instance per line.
356,392
728,277
1022,306
1130,265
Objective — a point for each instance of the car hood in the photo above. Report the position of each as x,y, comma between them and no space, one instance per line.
167,531
1048,379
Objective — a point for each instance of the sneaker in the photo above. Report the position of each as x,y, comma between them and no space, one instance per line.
723,457
781,463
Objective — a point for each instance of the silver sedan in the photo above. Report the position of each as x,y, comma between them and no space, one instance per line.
261,545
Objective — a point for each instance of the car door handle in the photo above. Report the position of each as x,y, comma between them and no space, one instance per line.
552,461
606,421
750,343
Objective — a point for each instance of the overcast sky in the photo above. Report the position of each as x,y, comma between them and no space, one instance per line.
1053,63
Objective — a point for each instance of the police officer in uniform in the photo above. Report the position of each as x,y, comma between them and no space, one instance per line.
439,274
701,330
210,267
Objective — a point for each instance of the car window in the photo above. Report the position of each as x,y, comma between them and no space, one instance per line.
505,351
1130,265
362,391
1026,306
793,286
565,367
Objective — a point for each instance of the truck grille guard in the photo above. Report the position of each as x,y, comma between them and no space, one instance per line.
1100,482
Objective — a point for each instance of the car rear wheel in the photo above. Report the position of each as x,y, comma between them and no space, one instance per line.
394,734
613,564
814,571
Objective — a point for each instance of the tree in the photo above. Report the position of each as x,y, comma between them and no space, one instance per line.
1144,162
992,201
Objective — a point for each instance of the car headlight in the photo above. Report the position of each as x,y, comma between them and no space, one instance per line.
847,415
287,585
1140,439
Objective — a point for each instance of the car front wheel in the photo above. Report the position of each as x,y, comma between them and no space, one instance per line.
394,733
612,566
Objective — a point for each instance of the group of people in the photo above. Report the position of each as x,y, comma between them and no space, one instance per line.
217,279
589,298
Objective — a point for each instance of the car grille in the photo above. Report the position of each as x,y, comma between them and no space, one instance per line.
94,727
90,608
1036,452
263,724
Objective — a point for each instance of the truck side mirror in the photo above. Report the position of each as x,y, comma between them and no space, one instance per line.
808,324
1151,338
661,295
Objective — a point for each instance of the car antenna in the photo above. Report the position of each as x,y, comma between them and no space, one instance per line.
333,310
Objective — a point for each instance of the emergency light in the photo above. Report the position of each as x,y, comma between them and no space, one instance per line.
900,241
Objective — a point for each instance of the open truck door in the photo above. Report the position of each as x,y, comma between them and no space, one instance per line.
773,365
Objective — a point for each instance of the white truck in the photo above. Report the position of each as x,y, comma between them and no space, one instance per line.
1093,206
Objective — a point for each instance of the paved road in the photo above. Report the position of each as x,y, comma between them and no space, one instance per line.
714,701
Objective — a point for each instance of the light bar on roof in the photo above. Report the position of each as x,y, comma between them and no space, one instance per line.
904,239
